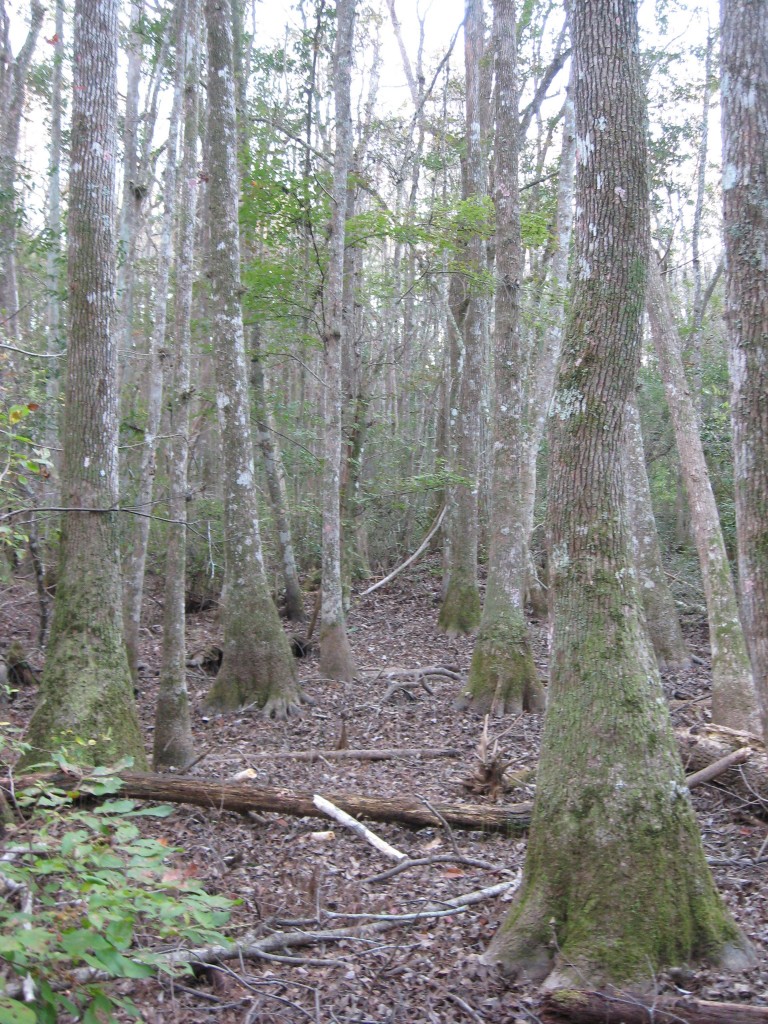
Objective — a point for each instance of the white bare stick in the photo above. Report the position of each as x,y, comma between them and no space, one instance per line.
412,558
357,827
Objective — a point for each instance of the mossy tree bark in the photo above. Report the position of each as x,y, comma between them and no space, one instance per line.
734,698
615,882
745,188
502,676
461,608
86,695
257,665
661,616
173,742
336,660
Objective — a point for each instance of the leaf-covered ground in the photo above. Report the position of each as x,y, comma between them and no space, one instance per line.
307,874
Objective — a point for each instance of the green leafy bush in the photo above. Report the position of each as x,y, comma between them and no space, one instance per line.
82,888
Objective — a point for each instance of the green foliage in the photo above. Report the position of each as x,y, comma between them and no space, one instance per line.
85,888
20,460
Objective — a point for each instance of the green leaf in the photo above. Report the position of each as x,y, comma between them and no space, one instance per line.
120,966
13,1012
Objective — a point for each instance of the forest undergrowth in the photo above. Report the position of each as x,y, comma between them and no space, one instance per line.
293,873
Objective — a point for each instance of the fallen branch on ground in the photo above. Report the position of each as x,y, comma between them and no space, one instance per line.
250,947
571,1007
357,827
355,755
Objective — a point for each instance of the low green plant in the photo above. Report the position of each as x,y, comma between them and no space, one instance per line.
85,890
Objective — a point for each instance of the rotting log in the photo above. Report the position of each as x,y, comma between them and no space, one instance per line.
244,797
576,1007
703,745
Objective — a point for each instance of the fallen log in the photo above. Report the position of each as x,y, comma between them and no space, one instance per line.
575,1007
703,745
514,818
355,755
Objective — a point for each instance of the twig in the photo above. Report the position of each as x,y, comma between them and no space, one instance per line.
441,818
441,858
357,827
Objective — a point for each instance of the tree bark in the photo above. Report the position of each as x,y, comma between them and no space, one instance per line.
172,741
734,699
744,31
13,83
502,675
138,533
461,610
615,882
86,692
336,660
257,665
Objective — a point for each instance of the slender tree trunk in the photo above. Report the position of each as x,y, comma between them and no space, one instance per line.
134,190
336,661
273,468
173,743
136,556
13,83
701,186
615,883
86,693
661,616
56,342
257,665
502,676
541,375
744,31
460,611
734,700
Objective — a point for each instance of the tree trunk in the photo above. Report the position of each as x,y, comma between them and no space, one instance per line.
543,362
173,743
502,675
745,187
336,660
273,468
615,883
13,83
138,536
661,616
257,666
86,694
460,611
734,700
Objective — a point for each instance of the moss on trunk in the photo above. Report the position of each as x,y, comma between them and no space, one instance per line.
502,676
460,611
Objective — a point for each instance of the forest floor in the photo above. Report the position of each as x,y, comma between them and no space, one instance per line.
306,873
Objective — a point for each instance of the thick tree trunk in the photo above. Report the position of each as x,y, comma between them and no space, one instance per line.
461,610
502,675
86,692
257,666
734,699
336,660
661,616
615,883
173,743
745,187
